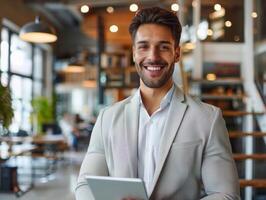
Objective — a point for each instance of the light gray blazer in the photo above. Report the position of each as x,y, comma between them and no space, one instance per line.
195,153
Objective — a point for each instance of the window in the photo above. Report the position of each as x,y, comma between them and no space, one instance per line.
21,68
4,57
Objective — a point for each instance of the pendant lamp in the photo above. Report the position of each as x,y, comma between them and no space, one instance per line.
76,65
37,32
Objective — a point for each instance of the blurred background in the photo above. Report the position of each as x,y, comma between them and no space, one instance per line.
61,61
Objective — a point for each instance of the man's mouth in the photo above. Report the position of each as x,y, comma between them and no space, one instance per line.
155,70
152,68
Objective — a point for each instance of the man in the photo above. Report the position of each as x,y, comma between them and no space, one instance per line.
179,146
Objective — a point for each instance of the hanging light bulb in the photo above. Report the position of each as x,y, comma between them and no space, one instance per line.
37,32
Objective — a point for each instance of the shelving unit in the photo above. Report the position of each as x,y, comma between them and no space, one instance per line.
118,73
226,93
78,78
83,76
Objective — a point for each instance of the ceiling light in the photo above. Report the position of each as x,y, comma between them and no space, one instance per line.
211,77
228,23
110,9
76,64
202,30
113,28
189,46
133,7
74,67
209,32
175,7
84,9
37,32
254,15
217,7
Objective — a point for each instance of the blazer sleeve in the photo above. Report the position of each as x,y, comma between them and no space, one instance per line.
219,174
94,162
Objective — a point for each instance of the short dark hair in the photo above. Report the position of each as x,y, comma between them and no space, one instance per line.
156,15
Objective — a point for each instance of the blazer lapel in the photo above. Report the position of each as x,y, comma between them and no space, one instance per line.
176,113
131,130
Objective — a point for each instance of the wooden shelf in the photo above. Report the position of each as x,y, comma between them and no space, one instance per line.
82,85
221,97
219,81
237,113
241,156
239,134
257,183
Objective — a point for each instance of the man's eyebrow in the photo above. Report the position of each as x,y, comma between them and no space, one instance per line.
142,42
160,42
165,42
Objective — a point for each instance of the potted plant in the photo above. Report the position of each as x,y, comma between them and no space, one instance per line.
6,110
42,112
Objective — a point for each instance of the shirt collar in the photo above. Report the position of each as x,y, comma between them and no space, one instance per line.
166,99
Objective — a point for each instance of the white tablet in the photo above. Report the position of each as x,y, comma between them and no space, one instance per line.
114,188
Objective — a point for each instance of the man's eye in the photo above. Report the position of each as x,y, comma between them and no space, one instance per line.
164,47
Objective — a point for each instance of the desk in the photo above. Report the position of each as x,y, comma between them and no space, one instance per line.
46,139
15,150
58,142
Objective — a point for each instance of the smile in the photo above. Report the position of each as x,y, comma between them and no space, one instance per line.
153,68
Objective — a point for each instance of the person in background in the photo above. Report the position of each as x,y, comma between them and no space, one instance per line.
178,145
78,125
67,127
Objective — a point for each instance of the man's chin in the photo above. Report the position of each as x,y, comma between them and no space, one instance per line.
153,85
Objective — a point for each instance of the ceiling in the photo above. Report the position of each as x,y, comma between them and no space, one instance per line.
79,31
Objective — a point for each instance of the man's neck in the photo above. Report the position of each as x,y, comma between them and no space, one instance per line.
152,97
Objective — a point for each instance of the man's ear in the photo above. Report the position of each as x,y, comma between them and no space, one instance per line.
177,53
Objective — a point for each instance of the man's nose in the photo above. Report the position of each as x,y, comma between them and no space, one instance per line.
154,54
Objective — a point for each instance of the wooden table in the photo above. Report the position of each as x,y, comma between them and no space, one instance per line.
46,139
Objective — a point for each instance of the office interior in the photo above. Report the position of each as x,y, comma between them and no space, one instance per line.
52,91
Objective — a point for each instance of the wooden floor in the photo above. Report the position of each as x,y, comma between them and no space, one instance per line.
59,186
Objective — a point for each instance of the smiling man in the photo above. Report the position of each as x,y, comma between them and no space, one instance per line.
179,146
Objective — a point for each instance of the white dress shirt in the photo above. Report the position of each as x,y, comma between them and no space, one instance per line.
149,135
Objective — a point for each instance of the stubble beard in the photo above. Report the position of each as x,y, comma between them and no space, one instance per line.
155,83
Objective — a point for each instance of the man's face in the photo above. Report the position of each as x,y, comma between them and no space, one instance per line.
154,54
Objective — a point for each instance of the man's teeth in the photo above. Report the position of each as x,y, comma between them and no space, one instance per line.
153,68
